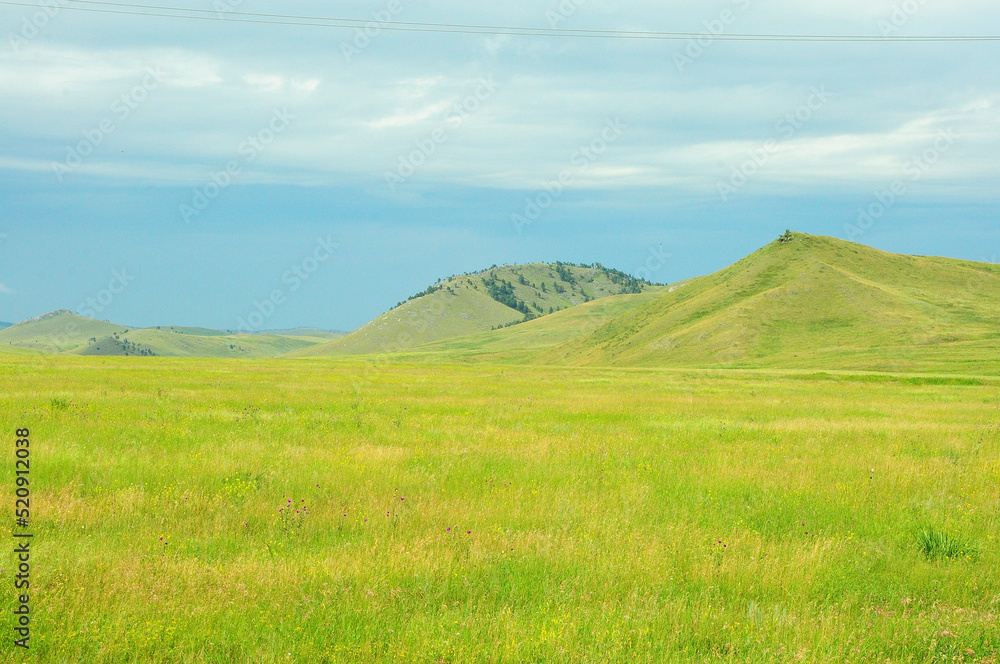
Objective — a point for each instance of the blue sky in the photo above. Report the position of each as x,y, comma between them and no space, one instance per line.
213,162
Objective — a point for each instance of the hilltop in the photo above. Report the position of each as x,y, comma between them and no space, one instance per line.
57,331
811,301
492,299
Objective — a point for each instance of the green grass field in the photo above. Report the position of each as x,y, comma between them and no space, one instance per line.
365,511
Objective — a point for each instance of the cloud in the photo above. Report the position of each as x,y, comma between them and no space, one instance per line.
356,119
5,289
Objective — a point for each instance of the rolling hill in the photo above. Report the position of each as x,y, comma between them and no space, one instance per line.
57,331
65,332
811,302
167,342
517,343
487,300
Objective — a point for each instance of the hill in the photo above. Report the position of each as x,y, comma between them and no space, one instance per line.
808,301
57,331
517,343
487,300
65,332
4,326
167,342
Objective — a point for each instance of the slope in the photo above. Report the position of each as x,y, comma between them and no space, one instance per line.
811,302
516,343
168,343
56,331
487,300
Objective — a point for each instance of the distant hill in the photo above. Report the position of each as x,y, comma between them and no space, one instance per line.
811,302
166,342
4,325
65,332
482,301
56,331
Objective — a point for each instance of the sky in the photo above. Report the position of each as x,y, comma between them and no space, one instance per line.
159,171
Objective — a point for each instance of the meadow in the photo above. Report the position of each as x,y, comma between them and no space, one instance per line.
318,510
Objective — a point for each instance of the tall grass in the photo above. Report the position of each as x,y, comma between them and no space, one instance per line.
499,514
937,544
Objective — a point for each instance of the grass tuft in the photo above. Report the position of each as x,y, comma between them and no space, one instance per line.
935,544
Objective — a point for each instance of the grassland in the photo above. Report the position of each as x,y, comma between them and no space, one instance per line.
480,513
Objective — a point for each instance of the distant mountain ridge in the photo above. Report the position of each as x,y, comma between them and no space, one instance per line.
493,298
802,302
62,331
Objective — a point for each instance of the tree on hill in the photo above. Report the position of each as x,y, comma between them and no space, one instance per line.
564,273
503,292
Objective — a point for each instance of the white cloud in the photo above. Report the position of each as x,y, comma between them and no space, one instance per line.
355,120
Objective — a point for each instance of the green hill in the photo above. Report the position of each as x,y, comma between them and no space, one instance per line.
56,331
168,343
812,302
487,300
517,343
64,332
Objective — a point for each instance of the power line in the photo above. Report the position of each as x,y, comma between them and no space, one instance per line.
162,11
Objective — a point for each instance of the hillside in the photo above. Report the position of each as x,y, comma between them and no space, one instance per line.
812,302
167,342
57,331
4,326
487,300
310,332
64,332
516,343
